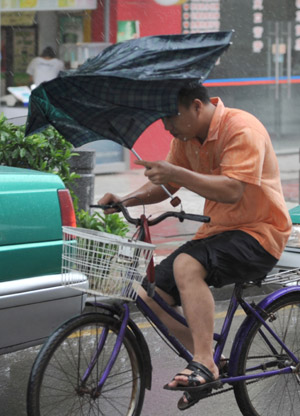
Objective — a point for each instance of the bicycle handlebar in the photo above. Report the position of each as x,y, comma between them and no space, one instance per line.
136,221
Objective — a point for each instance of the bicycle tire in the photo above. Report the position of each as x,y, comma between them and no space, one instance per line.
55,386
276,395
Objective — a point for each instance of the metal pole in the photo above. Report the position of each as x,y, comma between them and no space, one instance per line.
289,58
0,62
276,60
106,21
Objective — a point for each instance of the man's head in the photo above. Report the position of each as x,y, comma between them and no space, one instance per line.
48,53
191,91
194,113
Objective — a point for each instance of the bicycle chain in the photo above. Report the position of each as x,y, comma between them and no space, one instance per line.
226,390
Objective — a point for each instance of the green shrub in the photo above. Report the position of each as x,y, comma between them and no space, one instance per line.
47,151
111,223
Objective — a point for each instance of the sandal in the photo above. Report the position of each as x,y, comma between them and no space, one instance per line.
192,398
194,384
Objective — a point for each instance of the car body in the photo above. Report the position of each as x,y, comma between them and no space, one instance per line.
33,208
290,258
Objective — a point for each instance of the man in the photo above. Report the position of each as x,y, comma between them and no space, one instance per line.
45,67
226,156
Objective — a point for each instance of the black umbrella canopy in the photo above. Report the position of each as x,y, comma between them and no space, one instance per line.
120,92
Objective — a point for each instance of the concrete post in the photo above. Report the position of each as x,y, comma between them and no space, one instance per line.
83,187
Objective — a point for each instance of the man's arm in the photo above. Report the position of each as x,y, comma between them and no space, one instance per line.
149,193
218,188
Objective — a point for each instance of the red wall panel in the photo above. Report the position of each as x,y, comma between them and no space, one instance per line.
154,19
153,144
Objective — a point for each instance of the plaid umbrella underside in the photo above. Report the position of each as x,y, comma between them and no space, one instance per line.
123,90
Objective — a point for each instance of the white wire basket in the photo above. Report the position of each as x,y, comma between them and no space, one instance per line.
114,266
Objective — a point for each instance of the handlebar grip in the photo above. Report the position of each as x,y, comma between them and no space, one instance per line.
107,206
194,217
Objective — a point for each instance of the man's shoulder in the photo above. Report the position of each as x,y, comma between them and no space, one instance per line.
35,60
236,119
58,63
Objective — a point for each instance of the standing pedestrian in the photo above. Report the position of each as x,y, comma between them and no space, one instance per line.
45,67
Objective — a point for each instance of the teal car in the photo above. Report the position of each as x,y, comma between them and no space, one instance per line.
33,208
290,258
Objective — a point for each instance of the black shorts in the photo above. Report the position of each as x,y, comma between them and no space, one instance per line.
228,257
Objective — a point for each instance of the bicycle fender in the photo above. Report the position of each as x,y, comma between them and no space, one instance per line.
249,321
145,353
112,310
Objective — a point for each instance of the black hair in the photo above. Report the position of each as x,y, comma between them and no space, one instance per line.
192,90
48,52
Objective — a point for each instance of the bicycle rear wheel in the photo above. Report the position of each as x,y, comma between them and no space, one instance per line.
276,395
55,386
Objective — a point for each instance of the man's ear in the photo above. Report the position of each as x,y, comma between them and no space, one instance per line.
198,105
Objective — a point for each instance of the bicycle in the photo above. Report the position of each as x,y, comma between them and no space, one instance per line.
99,363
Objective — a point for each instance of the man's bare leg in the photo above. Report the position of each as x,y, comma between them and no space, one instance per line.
198,306
181,332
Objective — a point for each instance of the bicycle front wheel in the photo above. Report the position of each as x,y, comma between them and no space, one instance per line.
58,383
276,395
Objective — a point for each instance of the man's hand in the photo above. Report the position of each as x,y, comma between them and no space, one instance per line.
109,199
159,173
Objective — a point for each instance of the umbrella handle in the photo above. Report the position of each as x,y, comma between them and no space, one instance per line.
175,201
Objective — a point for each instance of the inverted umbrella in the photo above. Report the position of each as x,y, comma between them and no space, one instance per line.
119,93
124,89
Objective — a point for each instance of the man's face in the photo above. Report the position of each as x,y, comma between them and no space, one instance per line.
182,126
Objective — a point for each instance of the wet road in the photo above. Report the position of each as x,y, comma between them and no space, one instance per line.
15,369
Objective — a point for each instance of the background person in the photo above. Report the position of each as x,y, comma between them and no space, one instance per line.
226,156
45,67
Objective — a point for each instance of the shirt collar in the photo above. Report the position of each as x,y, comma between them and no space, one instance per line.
216,119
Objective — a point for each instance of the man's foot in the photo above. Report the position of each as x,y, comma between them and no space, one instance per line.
195,377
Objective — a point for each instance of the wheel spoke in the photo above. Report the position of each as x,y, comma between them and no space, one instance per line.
56,386
279,394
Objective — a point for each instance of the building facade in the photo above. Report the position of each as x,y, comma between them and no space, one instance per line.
259,73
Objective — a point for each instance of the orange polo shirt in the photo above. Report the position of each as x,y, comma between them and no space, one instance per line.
238,146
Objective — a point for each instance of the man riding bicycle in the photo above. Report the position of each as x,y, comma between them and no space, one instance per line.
226,156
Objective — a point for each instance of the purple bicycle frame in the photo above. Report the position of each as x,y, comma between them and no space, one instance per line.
182,351
100,346
220,338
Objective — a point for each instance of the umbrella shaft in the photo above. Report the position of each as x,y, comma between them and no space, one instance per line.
163,186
